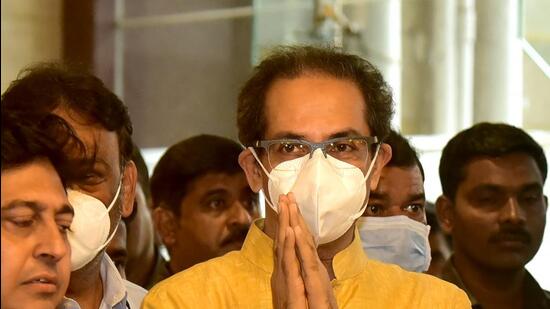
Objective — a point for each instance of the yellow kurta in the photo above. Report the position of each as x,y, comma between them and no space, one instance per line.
241,279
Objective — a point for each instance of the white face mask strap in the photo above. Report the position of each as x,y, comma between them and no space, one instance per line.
373,161
108,239
360,212
265,171
258,160
116,195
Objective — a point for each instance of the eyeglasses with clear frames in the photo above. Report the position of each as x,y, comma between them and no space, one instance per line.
352,150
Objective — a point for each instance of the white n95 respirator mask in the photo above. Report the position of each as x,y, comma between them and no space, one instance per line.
331,194
396,240
89,231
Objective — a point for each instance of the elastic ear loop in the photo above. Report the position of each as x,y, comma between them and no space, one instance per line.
367,175
266,173
108,210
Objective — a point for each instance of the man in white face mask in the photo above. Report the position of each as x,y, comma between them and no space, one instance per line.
103,190
393,228
311,120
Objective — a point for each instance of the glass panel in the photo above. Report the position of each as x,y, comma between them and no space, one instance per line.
281,22
181,80
143,8
536,26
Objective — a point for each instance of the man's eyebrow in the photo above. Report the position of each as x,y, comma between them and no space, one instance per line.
288,135
417,196
531,186
214,191
378,195
65,209
487,186
346,133
33,205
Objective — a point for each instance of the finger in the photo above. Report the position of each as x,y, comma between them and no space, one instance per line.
314,274
307,253
291,268
281,229
296,219
283,216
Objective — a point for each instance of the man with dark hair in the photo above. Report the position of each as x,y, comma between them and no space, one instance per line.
203,204
393,228
100,195
400,190
36,214
312,120
492,176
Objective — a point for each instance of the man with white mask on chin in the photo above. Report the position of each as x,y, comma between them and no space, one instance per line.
393,227
312,120
103,191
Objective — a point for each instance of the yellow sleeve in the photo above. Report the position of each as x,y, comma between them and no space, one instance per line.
164,296
462,300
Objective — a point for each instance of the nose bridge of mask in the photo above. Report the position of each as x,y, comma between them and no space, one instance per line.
397,240
392,222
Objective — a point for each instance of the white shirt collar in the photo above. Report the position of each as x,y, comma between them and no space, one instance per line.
114,288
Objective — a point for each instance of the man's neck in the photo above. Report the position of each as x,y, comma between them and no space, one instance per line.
326,252
491,288
86,286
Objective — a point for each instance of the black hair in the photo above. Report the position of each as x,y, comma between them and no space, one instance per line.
43,88
295,61
188,160
403,153
26,140
484,139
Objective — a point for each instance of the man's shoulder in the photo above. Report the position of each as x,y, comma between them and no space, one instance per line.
419,285
211,273
400,276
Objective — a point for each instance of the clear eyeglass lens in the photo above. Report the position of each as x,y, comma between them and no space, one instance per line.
286,151
353,151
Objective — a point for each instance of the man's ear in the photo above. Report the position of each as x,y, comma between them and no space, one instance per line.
252,170
384,156
445,213
129,181
165,225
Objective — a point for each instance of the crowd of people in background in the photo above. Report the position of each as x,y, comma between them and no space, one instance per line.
347,223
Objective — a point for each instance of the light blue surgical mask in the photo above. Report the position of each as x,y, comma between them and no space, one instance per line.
396,240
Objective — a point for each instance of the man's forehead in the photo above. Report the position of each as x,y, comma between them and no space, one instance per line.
509,170
403,180
406,174
315,107
218,178
97,140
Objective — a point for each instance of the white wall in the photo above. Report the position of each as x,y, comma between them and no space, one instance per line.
31,32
